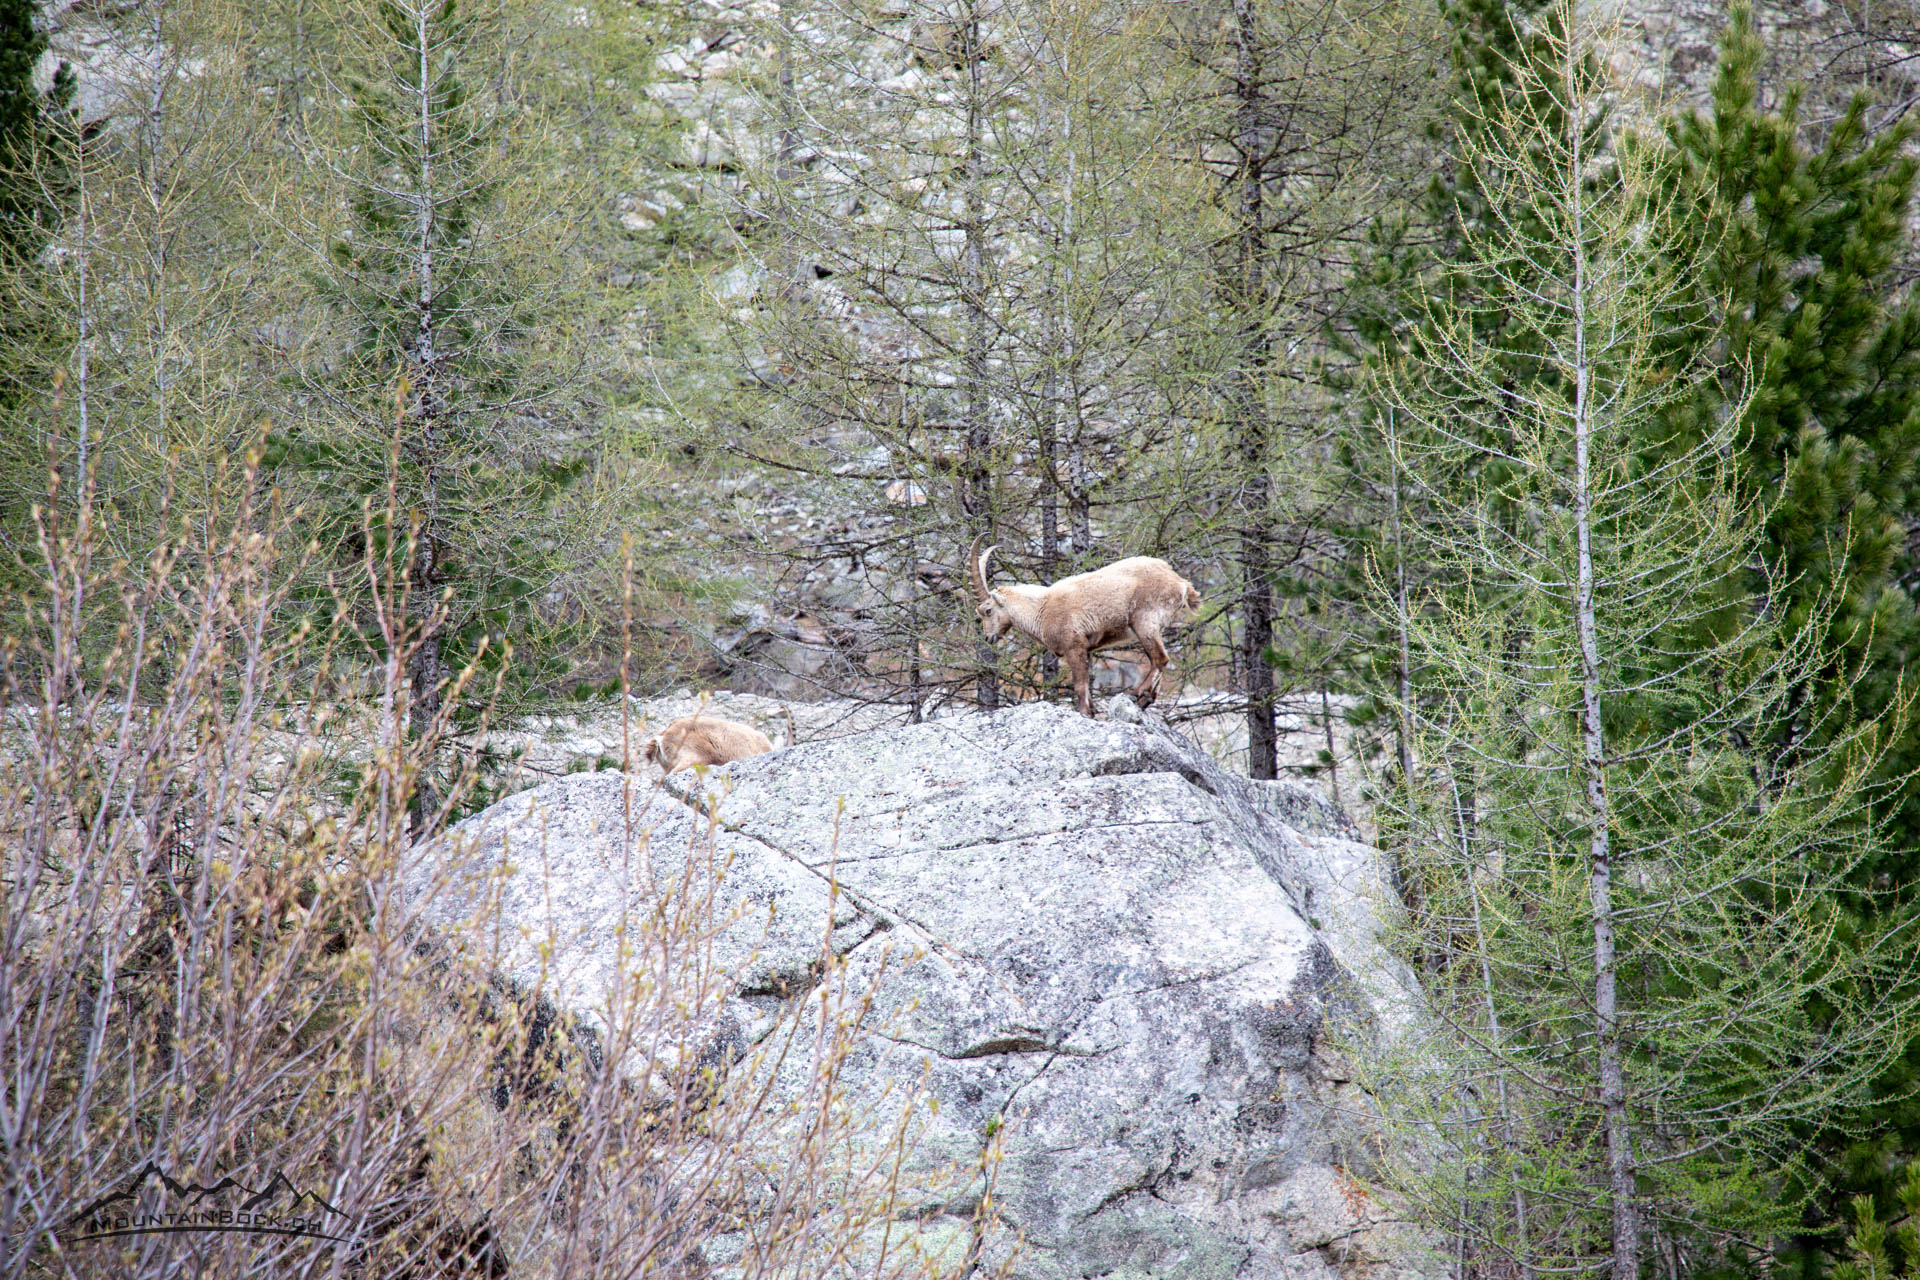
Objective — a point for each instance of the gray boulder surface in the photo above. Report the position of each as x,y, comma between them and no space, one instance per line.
1149,970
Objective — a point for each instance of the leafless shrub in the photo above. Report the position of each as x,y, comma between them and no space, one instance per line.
209,971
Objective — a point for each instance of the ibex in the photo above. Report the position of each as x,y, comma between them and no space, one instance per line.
1131,600
699,739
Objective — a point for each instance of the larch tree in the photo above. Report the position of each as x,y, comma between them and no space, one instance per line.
1644,973
1253,151
1302,107
1403,252
161,264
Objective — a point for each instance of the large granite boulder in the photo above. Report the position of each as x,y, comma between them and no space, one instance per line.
1153,974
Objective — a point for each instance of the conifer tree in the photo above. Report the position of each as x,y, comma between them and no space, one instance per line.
1296,101
1870,1258
1800,294
35,136
33,144
1803,299
439,404
1493,45
1635,905
964,276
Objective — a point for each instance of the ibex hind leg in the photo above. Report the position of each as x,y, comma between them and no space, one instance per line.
1148,689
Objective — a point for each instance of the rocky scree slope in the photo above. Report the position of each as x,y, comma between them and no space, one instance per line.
1151,971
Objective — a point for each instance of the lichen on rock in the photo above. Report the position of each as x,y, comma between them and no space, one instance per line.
1148,970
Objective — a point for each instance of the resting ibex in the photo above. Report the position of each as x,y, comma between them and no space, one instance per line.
1129,600
698,739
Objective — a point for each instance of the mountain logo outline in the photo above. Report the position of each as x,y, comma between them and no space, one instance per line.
262,1212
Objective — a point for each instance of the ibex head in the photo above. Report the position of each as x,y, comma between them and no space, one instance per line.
994,618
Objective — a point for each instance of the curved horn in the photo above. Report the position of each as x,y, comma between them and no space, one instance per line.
984,557
974,570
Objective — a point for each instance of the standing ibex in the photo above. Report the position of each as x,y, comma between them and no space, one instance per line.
1129,600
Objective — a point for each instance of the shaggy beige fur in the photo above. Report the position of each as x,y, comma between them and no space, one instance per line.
698,739
1131,601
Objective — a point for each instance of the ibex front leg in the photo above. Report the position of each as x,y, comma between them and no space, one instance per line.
1076,660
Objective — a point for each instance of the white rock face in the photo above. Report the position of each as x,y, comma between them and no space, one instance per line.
1136,961
1668,49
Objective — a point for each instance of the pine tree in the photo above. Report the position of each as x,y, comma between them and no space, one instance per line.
440,406
32,141
1867,1244
1809,315
36,133
1803,300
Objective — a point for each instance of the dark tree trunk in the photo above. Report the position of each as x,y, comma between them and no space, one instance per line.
1049,512
426,665
1251,427
979,425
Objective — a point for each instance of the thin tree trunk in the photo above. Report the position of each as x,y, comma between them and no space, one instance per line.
83,460
1049,504
789,136
979,426
1079,496
791,268
1079,481
299,55
1058,341
1403,721
1403,724
1049,433
1612,1080
1079,502
82,389
1251,427
1326,727
1507,1133
1049,492
916,679
158,340
426,666
1866,46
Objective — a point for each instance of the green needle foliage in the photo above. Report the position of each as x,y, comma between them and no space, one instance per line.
33,147
1799,294
1868,1242
1493,44
35,141
1631,917
441,403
